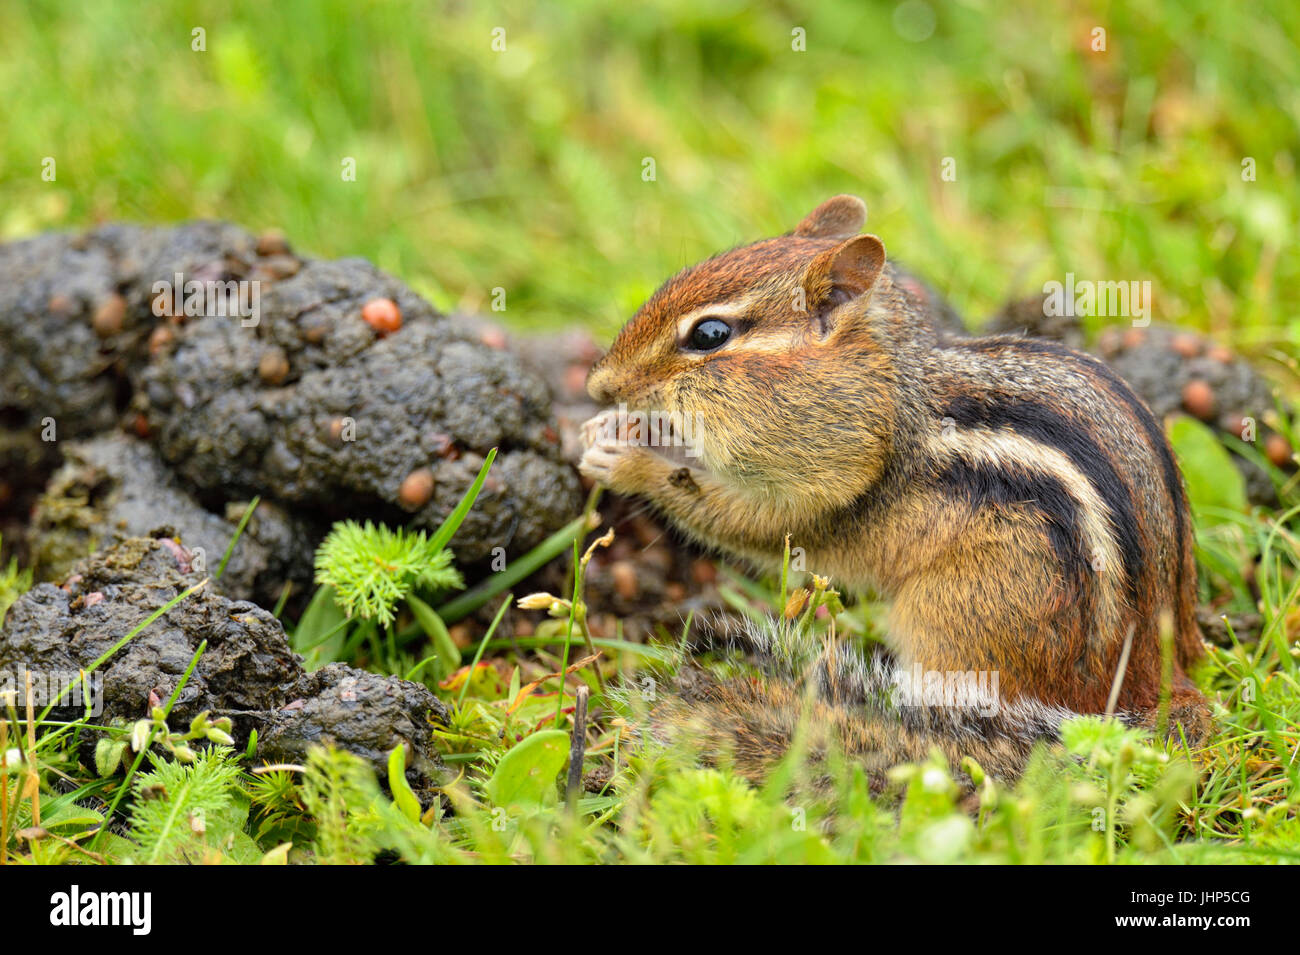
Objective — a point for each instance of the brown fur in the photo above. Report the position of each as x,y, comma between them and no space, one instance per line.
752,724
1014,500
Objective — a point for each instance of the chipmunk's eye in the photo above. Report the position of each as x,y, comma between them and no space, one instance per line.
709,334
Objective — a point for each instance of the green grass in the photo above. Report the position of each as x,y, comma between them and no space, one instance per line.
522,170
1108,795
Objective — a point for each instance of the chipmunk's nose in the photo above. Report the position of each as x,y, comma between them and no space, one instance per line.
600,383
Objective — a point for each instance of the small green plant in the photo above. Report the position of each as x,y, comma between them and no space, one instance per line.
365,571
192,811
338,790
1140,787
373,568
13,584
116,749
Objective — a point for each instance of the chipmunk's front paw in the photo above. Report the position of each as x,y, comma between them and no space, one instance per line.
611,459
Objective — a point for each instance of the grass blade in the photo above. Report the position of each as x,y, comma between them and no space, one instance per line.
453,521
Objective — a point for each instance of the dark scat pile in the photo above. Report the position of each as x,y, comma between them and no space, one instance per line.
75,313
1180,372
247,672
313,407
114,486
370,715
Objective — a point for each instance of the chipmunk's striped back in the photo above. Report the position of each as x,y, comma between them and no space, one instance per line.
1034,427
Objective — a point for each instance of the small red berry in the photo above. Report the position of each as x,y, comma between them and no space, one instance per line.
1278,450
383,315
109,316
1198,399
416,489
1186,344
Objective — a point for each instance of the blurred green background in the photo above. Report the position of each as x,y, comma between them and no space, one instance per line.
523,168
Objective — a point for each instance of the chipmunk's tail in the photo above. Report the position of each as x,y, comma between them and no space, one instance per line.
828,695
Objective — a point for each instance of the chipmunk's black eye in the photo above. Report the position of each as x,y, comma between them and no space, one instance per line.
709,334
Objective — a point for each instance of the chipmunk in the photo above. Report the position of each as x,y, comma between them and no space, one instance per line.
1014,500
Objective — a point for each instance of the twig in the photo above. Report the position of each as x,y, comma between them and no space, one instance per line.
1119,673
561,674
4,788
577,746
31,756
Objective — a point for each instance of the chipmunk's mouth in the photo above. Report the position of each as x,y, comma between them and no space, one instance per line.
672,435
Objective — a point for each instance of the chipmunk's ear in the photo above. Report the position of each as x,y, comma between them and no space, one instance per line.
837,216
844,272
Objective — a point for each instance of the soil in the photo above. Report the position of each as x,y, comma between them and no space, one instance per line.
247,671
